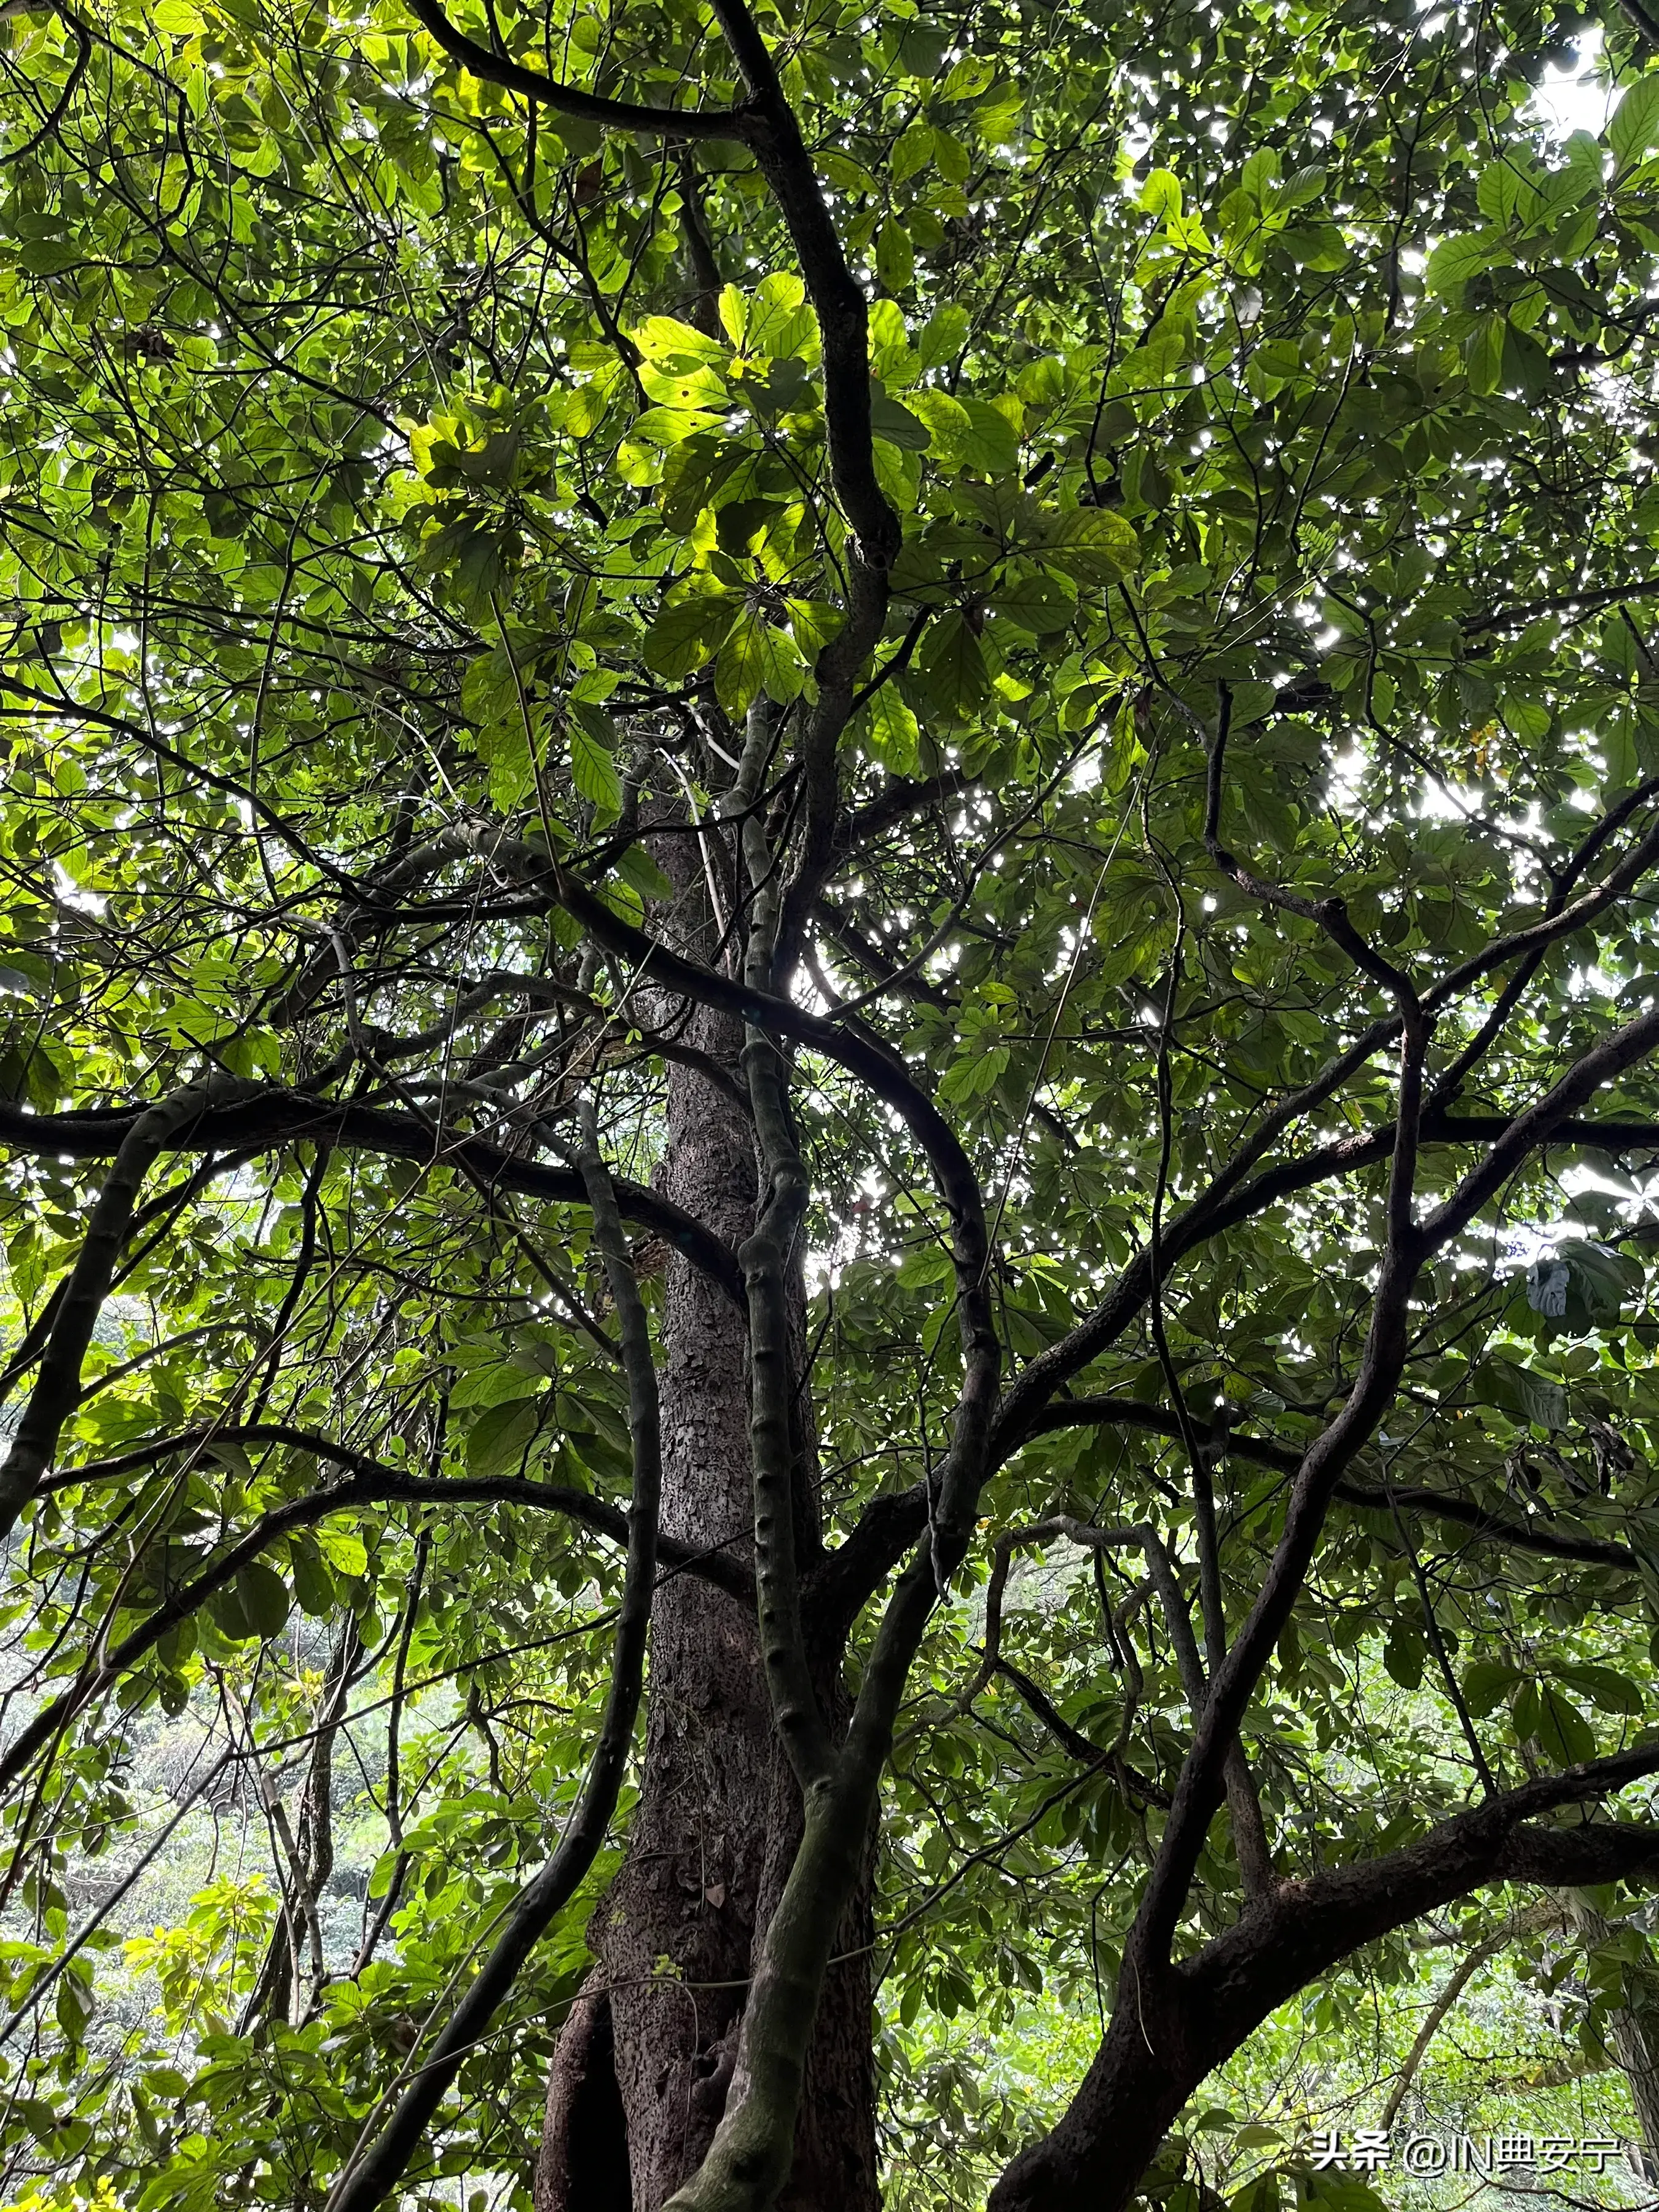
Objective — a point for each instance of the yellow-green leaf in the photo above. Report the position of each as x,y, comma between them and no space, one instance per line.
1093,545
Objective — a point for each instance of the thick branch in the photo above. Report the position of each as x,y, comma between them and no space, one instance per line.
1278,1947
569,99
273,1117
899,799
1172,2025
837,300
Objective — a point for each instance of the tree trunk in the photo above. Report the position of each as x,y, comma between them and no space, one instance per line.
1156,2048
1634,2029
640,2074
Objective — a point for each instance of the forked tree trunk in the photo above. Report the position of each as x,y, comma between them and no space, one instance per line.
640,2073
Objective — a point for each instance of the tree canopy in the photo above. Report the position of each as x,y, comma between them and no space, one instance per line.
1048,610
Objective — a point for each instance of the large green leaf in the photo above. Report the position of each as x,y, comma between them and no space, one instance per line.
1092,544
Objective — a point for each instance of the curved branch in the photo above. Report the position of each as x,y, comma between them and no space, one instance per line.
395,1487
1310,1924
1171,2028
856,1050
57,1386
273,1117
1456,1983
569,99
1411,1245
888,1525
1518,1536
837,299
372,1484
60,108
1210,1215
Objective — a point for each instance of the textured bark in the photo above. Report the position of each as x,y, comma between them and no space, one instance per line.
718,1814
1172,2024
583,2154
689,1887
835,2168
1635,2032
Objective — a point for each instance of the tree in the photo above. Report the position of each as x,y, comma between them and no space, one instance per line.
800,803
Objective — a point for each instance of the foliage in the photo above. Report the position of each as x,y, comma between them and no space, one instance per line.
415,500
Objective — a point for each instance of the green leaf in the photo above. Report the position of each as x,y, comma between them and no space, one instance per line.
893,734
774,321
590,735
895,423
677,346
1526,718
255,1605
1260,2194
668,426
498,1440
913,150
1486,1684
1607,1689
1527,368
1160,195
968,78
46,257
954,667
1455,260
637,867
1484,355
1633,126
685,635
1037,601
740,671
942,336
896,259
1520,1393
891,359
1093,545
1404,1653
71,2010
1340,2192
813,623
1504,191
992,445
346,1552
313,1585
757,657
948,424
1557,1726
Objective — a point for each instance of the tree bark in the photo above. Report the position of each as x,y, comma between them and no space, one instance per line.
1634,2029
646,2054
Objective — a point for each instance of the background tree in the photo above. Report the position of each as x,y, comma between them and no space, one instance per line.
801,806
